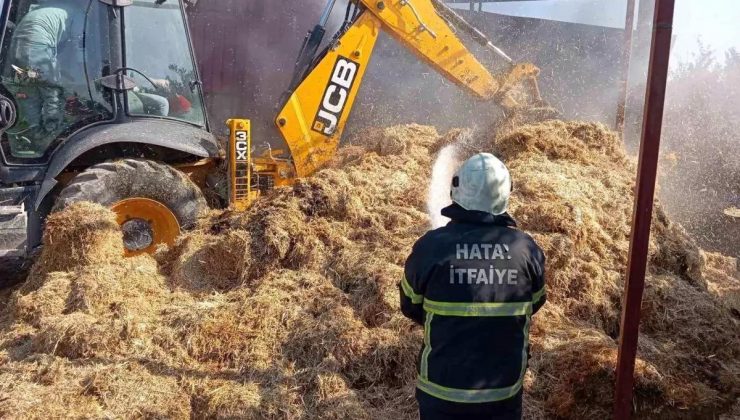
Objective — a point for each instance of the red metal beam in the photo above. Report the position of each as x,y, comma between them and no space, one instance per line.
643,210
629,27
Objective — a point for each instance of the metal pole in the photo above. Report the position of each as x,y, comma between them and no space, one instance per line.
643,210
629,27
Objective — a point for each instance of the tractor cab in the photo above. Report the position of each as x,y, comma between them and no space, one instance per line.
83,82
61,60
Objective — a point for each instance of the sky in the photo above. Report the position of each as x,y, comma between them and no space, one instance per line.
715,22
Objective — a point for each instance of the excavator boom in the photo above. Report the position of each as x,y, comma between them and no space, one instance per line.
313,117
424,27
318,105
325,84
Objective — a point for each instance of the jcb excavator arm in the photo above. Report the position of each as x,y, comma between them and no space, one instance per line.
317,105
325,85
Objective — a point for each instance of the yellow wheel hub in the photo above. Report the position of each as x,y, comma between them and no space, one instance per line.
146,224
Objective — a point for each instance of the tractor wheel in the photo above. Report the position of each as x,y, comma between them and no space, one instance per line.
152,201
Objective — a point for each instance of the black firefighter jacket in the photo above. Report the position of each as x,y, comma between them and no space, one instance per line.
474,285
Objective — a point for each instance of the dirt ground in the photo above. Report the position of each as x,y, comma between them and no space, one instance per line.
291,309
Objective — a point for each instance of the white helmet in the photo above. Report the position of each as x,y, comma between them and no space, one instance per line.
482,183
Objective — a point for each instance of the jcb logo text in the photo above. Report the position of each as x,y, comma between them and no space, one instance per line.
336,96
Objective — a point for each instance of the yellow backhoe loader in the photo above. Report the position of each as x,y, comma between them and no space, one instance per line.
110,109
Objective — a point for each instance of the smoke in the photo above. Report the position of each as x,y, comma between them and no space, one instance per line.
246,51
438,195
699,176
700,166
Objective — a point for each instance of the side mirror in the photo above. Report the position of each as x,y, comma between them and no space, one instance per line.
7,113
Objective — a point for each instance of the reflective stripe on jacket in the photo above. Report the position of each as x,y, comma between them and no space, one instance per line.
474,285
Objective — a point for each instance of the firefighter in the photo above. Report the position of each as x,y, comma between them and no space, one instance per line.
474,286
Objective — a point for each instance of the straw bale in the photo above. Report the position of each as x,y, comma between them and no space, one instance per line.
105,288
574,194
336,399
734,412
31,304
130,390
207,263
44,388
223,399
231,334
721,274
82,234
290,310
80,336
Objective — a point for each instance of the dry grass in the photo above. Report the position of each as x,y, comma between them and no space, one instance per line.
83,235
291,309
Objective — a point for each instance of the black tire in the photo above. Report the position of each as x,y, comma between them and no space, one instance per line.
110,182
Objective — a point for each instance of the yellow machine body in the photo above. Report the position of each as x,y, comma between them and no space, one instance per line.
313,119
416,25
241,193
314,115
249,175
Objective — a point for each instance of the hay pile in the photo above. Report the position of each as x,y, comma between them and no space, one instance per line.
291,310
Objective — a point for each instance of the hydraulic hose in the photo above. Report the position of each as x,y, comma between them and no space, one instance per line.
458,21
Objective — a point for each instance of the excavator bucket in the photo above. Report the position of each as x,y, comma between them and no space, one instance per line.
519,87
519,94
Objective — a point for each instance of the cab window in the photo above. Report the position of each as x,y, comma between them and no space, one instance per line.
53,52
159,59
